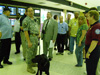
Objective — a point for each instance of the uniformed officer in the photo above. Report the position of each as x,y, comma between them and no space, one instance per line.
92,43
31,31
23,40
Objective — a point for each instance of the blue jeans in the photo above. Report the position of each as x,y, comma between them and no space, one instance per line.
71,46
79,54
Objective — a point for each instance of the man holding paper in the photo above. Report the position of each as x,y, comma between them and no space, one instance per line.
49,34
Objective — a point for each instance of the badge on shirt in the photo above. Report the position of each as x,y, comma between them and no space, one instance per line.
97,31
75,23
62,30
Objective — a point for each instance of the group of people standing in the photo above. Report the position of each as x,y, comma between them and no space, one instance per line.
85,30
28,34
27,31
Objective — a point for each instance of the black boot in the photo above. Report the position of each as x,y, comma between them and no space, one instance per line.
1,66
8,62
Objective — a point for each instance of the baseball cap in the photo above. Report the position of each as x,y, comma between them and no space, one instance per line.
6,8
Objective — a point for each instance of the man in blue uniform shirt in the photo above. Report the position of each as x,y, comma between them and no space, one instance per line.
62,31
6,31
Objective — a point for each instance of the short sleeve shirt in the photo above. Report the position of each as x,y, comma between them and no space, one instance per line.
74,27
93,34
30,25
62,28
79,33
5,27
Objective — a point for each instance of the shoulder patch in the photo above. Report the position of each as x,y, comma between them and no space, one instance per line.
97,31
25,24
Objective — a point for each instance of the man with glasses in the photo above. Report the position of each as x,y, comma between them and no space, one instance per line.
31,31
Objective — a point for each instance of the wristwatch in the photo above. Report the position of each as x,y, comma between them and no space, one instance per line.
88,52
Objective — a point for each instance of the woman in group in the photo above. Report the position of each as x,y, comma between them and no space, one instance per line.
17,33
80,40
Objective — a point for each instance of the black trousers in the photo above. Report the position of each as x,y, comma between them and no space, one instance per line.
61,42
5,49
55,43
91,63
17,41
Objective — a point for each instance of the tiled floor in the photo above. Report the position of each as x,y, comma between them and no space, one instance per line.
60,65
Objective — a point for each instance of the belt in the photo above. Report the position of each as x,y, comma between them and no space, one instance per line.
34,34
21,30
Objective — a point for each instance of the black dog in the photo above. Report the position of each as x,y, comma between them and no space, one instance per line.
43,64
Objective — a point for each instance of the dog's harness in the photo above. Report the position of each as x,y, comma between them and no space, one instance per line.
45,64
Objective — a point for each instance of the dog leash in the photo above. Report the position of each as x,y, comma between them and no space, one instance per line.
45,64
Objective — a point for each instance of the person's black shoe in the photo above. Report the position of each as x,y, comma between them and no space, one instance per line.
24,59
85,61
65,49
17,52
55,48
61,53
8,62
1,66
78,65
50,59
70,53
58,53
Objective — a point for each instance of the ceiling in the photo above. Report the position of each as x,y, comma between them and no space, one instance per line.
90,3
77,5
49,3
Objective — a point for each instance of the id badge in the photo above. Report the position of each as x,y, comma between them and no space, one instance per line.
62,30
75,23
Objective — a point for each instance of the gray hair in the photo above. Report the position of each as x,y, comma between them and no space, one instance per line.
50,13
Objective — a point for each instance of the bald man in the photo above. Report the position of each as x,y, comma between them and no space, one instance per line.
62,31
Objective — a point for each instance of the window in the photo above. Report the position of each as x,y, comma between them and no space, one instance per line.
1,9
12,21
13,10
21,11
37,12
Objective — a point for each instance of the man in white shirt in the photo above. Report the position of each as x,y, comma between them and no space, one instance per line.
17,34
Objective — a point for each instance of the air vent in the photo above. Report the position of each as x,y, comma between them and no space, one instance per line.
57,4
41,2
